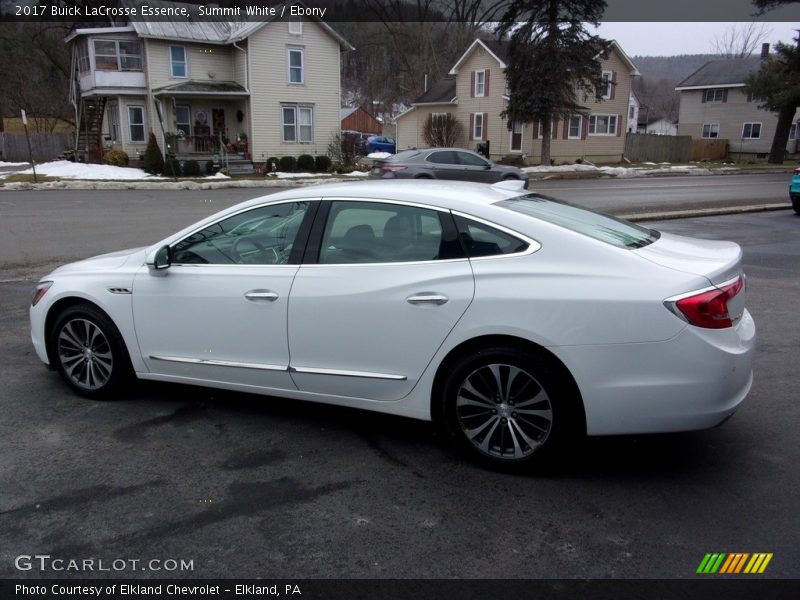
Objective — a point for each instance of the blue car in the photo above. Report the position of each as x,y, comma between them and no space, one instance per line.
794,191
379,143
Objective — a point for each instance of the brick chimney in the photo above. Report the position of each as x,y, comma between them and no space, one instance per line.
764,51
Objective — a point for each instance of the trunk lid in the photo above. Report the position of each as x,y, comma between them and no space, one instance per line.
715,260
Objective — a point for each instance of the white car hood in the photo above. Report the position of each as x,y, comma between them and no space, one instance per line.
714,260
104,262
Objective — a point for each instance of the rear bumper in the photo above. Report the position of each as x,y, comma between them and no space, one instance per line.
696,380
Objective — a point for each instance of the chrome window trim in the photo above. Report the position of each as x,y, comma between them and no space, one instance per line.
220,363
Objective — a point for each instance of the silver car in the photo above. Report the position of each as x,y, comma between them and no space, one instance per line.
443,163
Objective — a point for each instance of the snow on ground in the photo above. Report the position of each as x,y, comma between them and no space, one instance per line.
12,164
357,174
75,170
282,175
217,175
624,172
379,155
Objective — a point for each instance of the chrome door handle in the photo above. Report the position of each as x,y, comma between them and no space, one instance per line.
437,299
261,296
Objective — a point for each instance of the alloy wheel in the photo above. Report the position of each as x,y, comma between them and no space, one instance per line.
85,354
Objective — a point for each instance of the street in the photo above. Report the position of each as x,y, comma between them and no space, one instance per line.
250,486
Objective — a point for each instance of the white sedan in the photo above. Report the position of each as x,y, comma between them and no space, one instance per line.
515,321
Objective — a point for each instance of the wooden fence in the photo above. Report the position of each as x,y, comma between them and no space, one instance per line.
46,146
709,149
648,147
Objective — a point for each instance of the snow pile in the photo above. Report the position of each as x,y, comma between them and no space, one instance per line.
217,175
357,174
379,155
282,175
75,170
626,172
12,164
560,169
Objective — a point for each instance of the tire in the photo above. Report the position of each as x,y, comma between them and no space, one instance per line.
89,352
510,178
501,436
796,204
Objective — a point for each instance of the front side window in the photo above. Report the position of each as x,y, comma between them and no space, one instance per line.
374,232
177,55
480,83
710,130
261,236
603,125
296,74
580,220
183,119
136,123
298,123
470,159
751,131
480,239
575,123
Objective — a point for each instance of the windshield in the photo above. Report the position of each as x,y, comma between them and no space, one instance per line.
581,220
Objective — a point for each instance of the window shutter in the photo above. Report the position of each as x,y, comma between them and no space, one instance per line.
725,95
554,129
485,125
486,83
584,128
613,84
703,96
536,129
472,85
566,127
619,125
471,125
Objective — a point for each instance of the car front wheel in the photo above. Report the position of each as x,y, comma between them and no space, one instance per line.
89,352
509,407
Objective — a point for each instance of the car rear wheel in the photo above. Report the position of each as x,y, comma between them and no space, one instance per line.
89,352
796,204
510,178
509,407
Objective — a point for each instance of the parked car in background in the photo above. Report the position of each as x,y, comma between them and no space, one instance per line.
794,191
443,163
516,322
379,143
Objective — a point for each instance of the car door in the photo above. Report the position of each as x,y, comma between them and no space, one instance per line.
444,165
474,167
382,285
218,313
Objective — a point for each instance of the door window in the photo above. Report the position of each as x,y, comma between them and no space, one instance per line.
447,157
262,236
373,232
482,240
472,160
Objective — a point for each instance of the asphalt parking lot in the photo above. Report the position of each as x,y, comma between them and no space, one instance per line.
247,486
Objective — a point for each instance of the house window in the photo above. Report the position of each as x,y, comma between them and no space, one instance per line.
752,98
710,130
177,56
605,86
296,27
480,83
631,111
575,127
552,128
751,131
112,55
717,95
793,131
136,124
183,119
82,51
298,124
477,127
603,125
295,59
113,122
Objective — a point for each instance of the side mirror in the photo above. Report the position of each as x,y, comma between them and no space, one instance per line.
162,259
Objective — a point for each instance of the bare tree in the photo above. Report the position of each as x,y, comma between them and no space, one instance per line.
740,40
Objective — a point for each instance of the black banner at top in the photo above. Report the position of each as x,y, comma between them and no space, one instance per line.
121,11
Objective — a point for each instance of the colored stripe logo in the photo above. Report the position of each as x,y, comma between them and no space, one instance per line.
734,563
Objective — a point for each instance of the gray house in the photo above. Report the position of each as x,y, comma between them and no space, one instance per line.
715,104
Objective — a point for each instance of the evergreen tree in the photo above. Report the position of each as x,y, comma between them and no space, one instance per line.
553,61
153,160
777,84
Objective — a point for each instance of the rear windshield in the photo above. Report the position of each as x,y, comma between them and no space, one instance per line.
588,222
404,155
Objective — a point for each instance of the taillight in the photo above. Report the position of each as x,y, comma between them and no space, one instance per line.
39,291
393,168
709,308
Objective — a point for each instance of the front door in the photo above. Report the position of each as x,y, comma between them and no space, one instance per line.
475,168
218,313
218,122
516,136
389,285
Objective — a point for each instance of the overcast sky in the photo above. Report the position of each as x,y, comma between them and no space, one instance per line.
668,39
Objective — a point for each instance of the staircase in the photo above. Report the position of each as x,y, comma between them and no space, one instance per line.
90,132
237,165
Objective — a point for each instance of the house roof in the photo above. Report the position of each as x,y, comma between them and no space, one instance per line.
227,88
729,72
346,112
499,51
441,92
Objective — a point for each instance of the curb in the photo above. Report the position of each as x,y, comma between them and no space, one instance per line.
703,212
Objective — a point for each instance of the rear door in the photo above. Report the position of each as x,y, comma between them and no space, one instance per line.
381,287
444,164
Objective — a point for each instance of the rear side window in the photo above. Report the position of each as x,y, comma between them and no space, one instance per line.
444,157
482,240
581,220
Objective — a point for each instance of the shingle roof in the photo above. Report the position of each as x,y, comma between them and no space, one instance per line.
729,71
498,48
441,92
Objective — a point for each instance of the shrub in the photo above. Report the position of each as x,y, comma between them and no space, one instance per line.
441,131
322,162
172,167
342,149
515,160
287,163
153,160
342,169
118,158
209,167
305,162
191,168
273,160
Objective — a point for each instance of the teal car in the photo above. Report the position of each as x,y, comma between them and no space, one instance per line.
794,191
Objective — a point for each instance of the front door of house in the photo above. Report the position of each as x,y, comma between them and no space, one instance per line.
516,136
218,122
